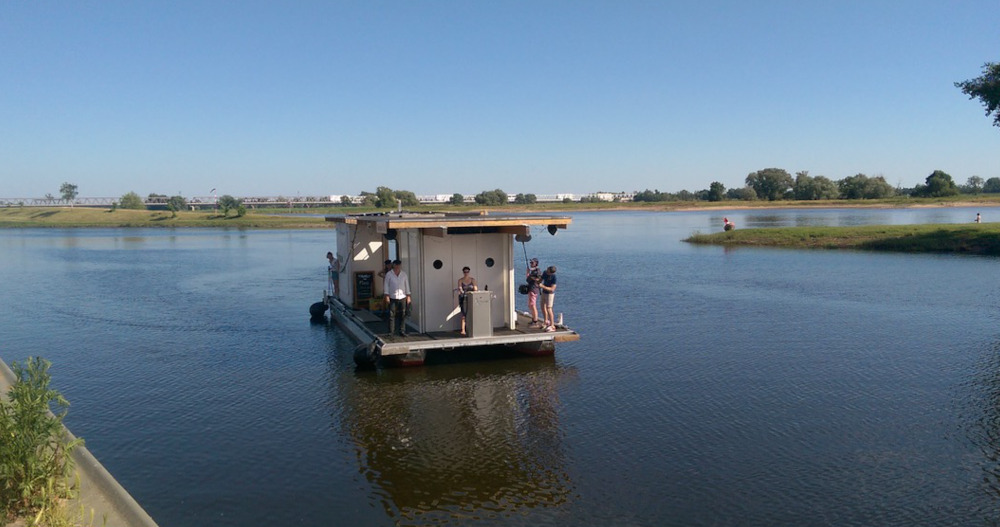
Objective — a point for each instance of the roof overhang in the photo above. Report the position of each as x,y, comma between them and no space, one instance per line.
439,224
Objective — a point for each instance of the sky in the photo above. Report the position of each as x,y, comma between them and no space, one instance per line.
314,98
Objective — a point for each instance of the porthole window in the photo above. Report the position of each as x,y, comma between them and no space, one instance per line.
438,264
489,262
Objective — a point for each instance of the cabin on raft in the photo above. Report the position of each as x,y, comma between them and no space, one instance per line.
433,248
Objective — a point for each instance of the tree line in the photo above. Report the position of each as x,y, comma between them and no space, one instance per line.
769,184
773,184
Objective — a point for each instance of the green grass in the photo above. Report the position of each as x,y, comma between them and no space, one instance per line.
936,238
93,217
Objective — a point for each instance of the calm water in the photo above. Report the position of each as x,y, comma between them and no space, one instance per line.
711,387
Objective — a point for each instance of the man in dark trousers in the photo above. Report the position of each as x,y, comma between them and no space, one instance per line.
397,296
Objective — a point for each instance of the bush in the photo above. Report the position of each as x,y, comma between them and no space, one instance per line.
228,203
493,198
35,464
131,200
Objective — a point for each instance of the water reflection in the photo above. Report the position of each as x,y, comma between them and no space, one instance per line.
458,442
985,428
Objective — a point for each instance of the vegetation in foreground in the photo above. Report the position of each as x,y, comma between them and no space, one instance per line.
36,470
981,239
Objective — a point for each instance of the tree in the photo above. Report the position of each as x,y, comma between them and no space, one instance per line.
228,203
176,203
525,199
131,200
813,188
770,183
345,200
974,185
992,185
457,199
650,195
878,188
407,198
939,184
861,186
385,198
853,187
368,199
742,194
802,189
68,191
716,191
492,197
986,88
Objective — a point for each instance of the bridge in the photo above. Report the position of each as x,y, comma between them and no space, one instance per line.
207,202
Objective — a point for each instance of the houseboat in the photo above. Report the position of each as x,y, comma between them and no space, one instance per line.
433,248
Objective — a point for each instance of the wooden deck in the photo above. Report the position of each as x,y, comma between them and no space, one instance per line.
368,326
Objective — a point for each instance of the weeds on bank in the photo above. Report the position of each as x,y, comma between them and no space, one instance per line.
36,470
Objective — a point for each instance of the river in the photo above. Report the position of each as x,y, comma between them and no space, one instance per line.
711,386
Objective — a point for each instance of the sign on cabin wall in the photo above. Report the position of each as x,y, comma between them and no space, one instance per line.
364,286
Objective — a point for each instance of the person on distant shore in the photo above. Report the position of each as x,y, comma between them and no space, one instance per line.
533,275
397,296
727,225
466,284
548,286
334,269
979,218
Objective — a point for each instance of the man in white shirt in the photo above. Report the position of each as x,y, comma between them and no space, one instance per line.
397,296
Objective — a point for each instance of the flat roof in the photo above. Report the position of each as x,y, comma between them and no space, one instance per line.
437,220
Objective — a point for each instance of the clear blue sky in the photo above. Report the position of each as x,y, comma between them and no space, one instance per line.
334,97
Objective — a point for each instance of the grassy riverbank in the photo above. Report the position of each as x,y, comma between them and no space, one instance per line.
300,218
933,238
91,217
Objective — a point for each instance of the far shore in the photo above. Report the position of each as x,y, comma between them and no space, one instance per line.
310,218
958,238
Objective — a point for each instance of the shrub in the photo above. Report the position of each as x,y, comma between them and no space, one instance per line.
35,464
131,200
228,203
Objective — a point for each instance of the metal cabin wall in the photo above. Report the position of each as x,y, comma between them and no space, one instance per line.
408,248
452,252
367,252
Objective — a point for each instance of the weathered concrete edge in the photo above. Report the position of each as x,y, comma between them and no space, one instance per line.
109,492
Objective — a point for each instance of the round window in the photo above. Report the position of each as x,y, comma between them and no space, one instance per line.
438,264
489,262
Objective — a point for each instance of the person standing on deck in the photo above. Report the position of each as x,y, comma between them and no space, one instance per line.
334,273
466,284
548,287
533,277
397,296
